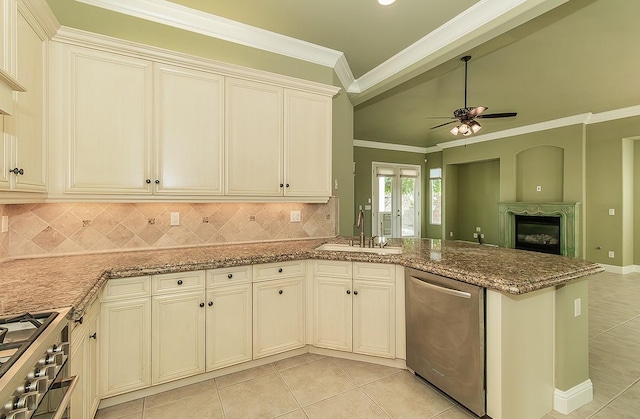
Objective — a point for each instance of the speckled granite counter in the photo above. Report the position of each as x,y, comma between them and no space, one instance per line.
71,281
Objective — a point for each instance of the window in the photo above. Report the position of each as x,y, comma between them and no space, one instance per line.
435,186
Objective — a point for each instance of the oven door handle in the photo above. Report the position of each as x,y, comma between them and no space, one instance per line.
66,399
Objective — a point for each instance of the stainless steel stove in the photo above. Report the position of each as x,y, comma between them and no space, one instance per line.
34,349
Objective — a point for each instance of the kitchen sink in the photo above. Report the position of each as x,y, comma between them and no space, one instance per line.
338,247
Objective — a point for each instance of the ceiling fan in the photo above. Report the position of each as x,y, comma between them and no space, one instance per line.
467,115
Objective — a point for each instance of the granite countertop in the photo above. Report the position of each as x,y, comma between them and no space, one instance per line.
47,283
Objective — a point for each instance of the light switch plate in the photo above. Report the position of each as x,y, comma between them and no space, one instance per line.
175,218
612,211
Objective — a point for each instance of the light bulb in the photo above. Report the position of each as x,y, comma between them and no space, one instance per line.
464,129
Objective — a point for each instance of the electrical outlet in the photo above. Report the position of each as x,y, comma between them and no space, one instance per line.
5,223
175,218
475,235
612,211
294,216
612,254
577,307
538,188
482,236
451,234
478,229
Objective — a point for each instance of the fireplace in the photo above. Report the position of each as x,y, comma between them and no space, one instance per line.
538,233
565,217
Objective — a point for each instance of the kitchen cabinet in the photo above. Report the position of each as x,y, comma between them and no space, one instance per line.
125,343
107,122
84,362
278,141
354,307
278,308
23,164
189,131
229,317
178,326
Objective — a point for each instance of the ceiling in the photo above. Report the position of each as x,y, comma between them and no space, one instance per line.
544,59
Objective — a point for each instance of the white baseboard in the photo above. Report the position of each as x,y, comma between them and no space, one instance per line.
621,269
566,402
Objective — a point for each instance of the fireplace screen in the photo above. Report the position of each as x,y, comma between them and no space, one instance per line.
538,233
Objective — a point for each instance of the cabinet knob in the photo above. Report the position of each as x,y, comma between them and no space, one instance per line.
157,182
280,270
355,292
230,276
94,336
17,171
179,281
201,304
280,292
348,292
148,181
287,185
210,303
281,185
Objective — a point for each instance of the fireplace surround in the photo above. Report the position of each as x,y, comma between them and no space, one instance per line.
567,212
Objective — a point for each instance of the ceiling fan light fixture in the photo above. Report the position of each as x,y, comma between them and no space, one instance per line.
475,126
454,130
464,129
386,2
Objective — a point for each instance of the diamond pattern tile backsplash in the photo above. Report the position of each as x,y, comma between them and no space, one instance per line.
67,228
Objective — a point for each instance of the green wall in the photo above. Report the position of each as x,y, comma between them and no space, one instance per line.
540,166
363,157
343,160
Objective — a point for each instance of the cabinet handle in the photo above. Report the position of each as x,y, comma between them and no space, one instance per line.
280,292
17,171
348,292
201,304
94,336
355,292
210,303
230,276
148,181
280,270
157,182
179,281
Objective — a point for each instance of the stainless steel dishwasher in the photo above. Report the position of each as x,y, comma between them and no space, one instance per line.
446,337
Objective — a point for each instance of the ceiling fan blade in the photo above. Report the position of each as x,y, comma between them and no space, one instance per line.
498,115
442,125
477,111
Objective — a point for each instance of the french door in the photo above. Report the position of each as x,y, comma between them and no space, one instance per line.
395,200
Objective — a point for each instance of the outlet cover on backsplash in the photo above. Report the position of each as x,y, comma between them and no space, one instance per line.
69,228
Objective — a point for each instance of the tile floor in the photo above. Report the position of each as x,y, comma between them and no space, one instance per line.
313,386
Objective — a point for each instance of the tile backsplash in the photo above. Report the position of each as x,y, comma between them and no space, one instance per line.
67,228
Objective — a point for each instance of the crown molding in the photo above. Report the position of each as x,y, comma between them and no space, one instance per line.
42,14
390,146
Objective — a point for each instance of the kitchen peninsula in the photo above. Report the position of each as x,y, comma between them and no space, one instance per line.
533,341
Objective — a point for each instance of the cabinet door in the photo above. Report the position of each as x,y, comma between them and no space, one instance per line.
108,122
178,328
307,144
228,326
125,346
189,131
278,316
374,330
253,140
332,313
79,398
91,368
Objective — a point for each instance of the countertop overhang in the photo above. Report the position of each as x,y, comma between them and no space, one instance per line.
46,283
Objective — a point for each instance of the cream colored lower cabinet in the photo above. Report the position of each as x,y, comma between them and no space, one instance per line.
356,315
178,330
278,316
84,364
228,336
125,346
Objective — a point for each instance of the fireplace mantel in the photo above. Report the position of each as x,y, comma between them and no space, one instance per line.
569,222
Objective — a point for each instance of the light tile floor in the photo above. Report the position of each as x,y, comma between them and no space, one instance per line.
313,386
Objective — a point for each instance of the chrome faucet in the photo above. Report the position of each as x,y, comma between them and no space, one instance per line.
360,225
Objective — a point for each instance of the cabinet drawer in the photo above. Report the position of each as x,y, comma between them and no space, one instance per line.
374,271
332,268
229,276
121,288
178,282
279,270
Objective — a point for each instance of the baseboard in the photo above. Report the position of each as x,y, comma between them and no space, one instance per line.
566,402
621,269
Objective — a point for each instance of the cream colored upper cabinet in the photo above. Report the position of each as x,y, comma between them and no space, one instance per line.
108,122
23,148
253,140
307,144
189,131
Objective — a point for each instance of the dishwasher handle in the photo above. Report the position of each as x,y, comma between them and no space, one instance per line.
442,289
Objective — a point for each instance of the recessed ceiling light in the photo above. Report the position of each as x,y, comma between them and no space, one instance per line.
386,2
